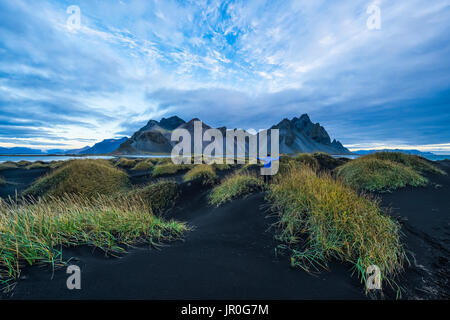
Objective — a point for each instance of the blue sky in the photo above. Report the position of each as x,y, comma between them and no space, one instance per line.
242,64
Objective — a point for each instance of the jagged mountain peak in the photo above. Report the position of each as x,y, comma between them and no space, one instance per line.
171,123
296,135
301,134
190,125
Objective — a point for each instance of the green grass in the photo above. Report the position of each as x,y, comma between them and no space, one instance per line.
287,163
8,165
169,168
143,165
23,163
321,219
158,196
126,163
57,164
235,186
38,165
83,177
162,160
307,159
327,162
221,166
377,175
249,168
35,233
418,164
202,171
318,161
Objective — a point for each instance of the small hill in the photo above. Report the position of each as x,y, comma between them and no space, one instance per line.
386,171
81,177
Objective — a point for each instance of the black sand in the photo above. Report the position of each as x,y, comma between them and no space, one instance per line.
424,214
230,254
19,179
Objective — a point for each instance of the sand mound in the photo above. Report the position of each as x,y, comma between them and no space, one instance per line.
81,177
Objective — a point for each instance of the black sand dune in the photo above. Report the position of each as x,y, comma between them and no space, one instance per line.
19,179
144,177
230,253
424,214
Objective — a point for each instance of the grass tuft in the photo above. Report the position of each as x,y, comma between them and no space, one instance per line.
250,168
327,162
23,163
287,163
8,165
202,171
235,186
83,177
167,160
322,219
38,165
143,165
418,164
34,232
158,196
126,163
307,159
56,164
377,175
221,166
169,168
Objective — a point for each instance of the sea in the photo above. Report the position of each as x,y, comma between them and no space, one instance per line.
44,158
432,157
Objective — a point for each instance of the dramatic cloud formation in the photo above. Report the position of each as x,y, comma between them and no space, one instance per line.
236,63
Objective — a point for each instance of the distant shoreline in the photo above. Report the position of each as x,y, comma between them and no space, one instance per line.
64,157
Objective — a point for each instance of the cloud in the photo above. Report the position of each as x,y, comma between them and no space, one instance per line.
235,63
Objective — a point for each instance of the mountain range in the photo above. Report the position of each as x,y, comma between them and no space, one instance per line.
20,151
103,147
412,151
296,135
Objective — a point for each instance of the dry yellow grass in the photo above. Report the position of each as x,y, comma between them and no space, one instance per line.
83,177
202,171
8,165
169,169
235,186
372,174
143,165
322,219
158,196
418,164
126,163
34,232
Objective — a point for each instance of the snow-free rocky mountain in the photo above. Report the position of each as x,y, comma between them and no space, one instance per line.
296,135
105,146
